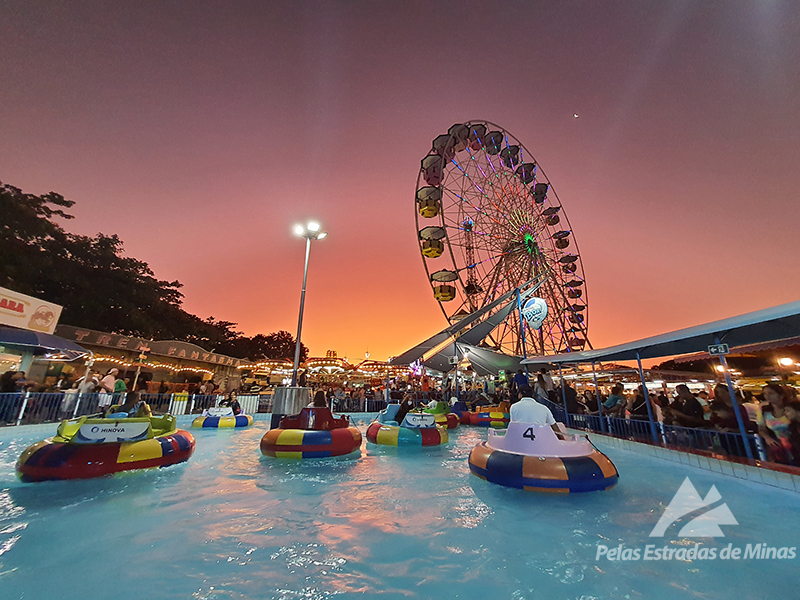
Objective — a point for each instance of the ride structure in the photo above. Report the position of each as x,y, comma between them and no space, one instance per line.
488,221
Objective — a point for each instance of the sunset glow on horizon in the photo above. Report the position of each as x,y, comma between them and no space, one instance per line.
203,134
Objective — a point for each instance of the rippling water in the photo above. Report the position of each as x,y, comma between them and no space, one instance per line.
408,523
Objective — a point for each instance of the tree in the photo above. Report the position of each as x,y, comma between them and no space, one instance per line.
276,345
101,288
90,277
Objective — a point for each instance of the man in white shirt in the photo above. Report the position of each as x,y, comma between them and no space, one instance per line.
528,410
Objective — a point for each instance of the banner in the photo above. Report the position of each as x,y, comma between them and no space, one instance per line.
27,312
534,310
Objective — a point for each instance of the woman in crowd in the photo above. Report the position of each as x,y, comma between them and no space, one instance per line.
540,389
405,406
233,402
773,423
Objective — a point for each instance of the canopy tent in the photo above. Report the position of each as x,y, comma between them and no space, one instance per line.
483,360
761,326
758,327
751,349
27,341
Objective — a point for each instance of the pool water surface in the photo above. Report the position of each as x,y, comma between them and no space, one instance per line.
390,523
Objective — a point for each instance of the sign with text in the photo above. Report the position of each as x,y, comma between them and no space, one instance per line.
27,312
175,349
535,312
718,349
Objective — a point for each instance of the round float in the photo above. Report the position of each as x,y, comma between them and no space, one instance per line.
314,433
534,458
84,448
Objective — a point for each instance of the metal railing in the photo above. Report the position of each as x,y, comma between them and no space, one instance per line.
17,408
670,436
27,407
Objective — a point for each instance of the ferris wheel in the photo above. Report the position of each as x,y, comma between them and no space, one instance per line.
488,221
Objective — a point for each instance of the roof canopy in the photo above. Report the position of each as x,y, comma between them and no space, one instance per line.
776,323
38,343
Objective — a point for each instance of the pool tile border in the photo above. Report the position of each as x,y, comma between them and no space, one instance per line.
761,475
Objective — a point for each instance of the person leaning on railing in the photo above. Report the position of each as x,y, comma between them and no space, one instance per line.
723,416
773,423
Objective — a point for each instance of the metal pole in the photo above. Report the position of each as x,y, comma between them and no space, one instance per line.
300,319
647,400
136,379
599,402
22,408
522,330
563,391
732,394
455,377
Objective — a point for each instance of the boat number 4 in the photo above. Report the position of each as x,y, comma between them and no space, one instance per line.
529,434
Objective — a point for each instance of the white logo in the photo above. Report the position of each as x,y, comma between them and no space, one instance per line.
535,312
688,501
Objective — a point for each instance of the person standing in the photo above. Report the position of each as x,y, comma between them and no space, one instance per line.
521,379
106,389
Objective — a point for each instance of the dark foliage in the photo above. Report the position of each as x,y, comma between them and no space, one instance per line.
101,288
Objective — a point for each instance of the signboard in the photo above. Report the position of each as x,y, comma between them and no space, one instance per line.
718,349
534,310
118,431
175,349
27,312
419,420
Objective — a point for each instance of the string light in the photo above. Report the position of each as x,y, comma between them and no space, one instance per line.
152,365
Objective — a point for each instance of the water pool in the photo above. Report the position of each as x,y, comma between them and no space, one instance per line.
231,524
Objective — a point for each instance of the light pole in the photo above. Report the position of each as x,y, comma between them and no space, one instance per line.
310,232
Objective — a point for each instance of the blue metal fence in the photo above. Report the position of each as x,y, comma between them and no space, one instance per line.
671,436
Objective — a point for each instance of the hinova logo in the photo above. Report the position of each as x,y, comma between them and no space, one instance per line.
687,501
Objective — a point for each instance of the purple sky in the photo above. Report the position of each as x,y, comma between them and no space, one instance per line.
202,132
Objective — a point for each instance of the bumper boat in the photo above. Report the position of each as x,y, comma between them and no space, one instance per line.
417,429
314,433
443,416
534,458
221,417
489,416
85,447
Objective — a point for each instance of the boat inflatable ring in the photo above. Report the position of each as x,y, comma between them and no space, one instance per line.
209,422
314,433
48,459
304,443
533,458
394,435
493,418
448,420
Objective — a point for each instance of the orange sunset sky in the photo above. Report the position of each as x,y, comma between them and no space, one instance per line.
201,132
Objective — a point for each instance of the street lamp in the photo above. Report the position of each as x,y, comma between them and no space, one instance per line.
311,232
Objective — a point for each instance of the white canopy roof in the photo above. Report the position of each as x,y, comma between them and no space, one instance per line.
765,325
